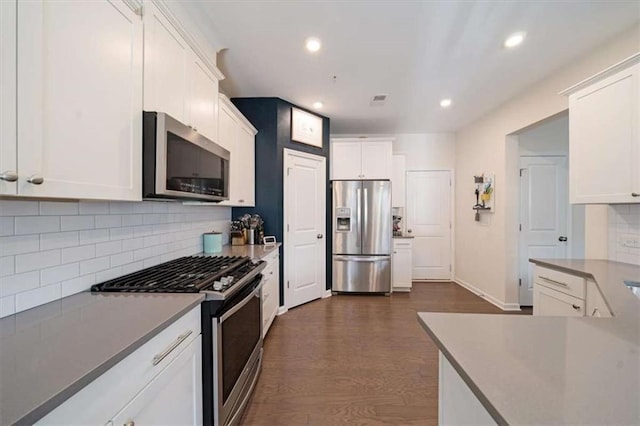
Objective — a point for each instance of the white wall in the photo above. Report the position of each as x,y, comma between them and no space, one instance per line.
624,222
50,250
486,253
551,137
426,151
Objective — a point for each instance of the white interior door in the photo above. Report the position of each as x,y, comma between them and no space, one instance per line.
304,216
429,221
543,215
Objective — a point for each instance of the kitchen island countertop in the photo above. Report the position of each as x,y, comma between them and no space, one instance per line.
49,353
552,370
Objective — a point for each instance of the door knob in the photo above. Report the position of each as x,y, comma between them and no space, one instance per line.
635,194
35,179
562,239
319,236
9,176
409,230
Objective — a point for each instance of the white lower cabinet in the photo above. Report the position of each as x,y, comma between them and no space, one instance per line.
402,264
173,397
270,291
159,383
548,302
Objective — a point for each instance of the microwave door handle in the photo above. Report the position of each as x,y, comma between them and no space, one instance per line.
236,308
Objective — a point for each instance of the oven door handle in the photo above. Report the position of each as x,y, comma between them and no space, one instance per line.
254,293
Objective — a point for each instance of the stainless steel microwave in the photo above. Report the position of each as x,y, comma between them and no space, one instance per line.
180,163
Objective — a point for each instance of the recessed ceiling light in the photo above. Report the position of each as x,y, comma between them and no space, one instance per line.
514,39
318,105
313,44
445,103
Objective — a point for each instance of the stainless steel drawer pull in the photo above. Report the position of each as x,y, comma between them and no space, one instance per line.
9,176
553,281
35,179
181,338
403,244
635,194
576,307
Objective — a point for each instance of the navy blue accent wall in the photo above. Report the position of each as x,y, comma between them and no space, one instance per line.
272,118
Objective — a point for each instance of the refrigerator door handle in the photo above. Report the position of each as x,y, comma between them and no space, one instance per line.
358,219
365,216
370,259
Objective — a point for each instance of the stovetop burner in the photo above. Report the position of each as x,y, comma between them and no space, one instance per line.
189,274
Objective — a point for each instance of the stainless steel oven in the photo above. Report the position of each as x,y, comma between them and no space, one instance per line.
180,163
232,337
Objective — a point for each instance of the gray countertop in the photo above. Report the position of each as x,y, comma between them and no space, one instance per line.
49,353
258,251
552,370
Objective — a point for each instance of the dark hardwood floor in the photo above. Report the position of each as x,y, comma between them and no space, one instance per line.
356,360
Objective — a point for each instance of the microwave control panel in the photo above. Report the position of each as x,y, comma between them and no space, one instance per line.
343,219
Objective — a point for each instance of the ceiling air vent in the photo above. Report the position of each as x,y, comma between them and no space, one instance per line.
378,100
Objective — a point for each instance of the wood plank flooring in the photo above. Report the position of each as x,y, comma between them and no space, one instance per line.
356,360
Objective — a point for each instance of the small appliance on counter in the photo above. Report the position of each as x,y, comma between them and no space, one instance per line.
212,242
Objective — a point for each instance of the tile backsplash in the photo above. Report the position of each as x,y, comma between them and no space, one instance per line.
624,233
50,250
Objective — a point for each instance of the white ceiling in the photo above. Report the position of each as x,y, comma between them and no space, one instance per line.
416,52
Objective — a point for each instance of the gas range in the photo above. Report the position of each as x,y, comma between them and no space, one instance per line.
217,277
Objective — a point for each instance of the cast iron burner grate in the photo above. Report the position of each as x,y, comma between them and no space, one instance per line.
189,274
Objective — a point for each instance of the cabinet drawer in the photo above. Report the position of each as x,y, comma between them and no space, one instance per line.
549,302
560,281
122,382
400,243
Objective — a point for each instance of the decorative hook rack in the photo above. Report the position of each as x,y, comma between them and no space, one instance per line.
484,191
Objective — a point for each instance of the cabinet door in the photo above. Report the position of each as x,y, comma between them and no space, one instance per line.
346,160
377,160
271,293
402,267
227,138
246,157
166,61
398,181
173,397
80,100
549,302
203,100
8,140
605,140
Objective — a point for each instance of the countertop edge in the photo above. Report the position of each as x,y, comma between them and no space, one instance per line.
493,412
56,400
561,268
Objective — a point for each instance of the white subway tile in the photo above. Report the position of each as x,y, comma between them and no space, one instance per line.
75,223
76,285
58,240
7,306
7,266
159,207
121,259
144,207
142,253
16,283
94,236
121,207
142,231
6,226
112,247
18,245
108,274
120,233
151,219
35,261
94,207
94,265
131,219
132,244
58,208
152,240
132,267
36,224
108,221
151,261
36,297
59,273
75,254
18,208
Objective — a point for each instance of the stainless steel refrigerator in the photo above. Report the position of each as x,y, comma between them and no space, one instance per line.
362,236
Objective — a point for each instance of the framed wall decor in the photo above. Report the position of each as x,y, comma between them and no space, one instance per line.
306,128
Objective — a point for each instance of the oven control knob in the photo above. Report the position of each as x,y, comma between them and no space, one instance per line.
217,285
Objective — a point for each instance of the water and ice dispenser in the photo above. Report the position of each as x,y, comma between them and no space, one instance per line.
343,219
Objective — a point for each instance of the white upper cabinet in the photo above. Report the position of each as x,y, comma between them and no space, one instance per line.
604,148
237,135
79,99
8,139
355,159
176,80
398,181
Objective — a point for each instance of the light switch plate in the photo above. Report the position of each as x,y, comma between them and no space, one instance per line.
631,241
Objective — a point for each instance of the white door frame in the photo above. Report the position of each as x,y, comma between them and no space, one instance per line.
285,217
569,214
452,213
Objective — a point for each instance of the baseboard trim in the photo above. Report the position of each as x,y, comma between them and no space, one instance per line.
401,289
326,294
489,298
282,310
